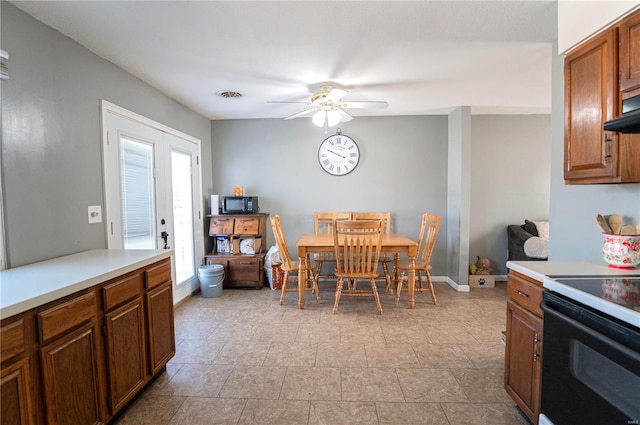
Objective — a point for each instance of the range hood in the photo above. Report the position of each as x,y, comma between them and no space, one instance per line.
629,121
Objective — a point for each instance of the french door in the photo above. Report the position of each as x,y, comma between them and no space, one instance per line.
152,186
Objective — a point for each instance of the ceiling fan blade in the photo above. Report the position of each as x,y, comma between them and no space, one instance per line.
302,113
344,117
365,105
335,95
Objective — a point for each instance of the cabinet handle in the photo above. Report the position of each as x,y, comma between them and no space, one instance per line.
522,294
607,148
245,262
536,340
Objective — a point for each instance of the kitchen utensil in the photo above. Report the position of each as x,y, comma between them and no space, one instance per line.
604,230
615,222
628,229
603,224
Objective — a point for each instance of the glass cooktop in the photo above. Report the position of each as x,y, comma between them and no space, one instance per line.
618,296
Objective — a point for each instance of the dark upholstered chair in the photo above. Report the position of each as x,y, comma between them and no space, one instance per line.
517,235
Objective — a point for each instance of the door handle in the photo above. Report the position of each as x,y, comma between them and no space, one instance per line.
165,236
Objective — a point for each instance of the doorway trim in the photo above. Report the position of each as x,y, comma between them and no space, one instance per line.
107,107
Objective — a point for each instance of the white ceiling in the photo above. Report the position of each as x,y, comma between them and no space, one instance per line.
423,57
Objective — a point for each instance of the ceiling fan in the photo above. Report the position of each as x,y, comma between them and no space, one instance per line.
328,107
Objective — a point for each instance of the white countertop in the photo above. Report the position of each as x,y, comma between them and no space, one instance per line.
26,287
539,270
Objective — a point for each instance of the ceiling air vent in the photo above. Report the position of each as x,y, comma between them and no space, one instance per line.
229,94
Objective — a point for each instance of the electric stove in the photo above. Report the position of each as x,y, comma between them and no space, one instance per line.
617,296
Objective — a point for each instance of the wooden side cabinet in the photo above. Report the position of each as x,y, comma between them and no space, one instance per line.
523,354
240,270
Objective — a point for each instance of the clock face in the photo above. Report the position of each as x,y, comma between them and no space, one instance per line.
338,155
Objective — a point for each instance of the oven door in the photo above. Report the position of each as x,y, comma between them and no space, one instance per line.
590,366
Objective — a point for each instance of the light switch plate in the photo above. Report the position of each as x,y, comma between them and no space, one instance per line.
95,214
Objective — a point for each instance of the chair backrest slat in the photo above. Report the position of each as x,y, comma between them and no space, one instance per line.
384,217
357,245
280,241
428,235
324,221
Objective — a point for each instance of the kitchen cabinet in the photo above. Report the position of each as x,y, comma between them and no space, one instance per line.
68,336
15,378
82,358
593,87
629,30
240,270
162,342
125,339
523,354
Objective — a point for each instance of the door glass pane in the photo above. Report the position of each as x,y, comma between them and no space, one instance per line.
182,216
138,206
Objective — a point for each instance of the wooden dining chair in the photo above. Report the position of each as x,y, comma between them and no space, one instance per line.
427,241
292,268
357,246
385,259
324,226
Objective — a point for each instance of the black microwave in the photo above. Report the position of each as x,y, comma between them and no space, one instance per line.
240,205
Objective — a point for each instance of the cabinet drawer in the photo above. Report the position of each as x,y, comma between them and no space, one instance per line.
221,225
158,274
246,226
66,316
12,340
524,292
118,292
244,269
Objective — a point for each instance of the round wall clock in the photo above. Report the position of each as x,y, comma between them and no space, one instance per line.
338,154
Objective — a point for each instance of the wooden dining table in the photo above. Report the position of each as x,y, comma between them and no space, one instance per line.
392,243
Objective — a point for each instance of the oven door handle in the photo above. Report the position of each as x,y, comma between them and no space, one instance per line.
594,334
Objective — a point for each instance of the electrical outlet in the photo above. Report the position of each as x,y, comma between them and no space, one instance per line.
95,214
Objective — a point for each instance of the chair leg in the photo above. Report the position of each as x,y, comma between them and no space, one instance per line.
399,288
285,281
387,278
316,289
433,293
338,294
376,296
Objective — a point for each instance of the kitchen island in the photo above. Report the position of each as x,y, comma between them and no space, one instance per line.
83,334
527,281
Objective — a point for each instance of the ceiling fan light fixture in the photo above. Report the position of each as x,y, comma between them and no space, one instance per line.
319,118
333,118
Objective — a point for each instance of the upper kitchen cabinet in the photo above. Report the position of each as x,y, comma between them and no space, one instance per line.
593,96
630,55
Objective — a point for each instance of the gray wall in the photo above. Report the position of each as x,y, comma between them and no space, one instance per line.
402,169
510,180
51,147
573,235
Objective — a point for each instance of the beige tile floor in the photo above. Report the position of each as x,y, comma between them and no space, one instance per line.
243,358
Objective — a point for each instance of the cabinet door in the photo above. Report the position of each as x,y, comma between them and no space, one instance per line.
523,363
14,394
162,342
630,53
590,73
70,378
126,353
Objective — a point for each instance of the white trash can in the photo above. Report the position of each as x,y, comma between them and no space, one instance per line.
211,279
